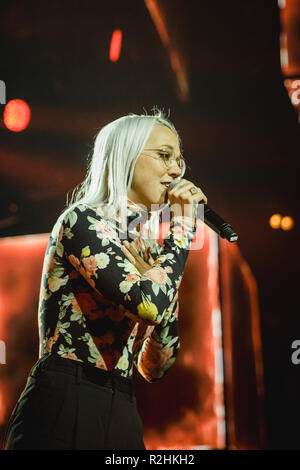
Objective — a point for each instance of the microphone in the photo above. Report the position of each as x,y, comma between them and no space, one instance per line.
214,221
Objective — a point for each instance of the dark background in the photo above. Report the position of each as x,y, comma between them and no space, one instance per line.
239,130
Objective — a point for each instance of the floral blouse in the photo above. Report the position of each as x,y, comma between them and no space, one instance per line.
97,308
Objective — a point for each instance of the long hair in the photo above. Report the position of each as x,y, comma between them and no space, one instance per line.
117,148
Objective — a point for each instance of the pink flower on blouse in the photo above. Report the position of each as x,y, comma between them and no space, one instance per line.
52,340
168,269
90,265
70,356
100,227
132,277
157,275
100,363
156,359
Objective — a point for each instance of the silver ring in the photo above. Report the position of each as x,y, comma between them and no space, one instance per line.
194,190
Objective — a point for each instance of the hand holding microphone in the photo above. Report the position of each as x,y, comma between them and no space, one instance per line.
182,191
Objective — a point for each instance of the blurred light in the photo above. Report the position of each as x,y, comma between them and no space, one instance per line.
16,115
115,45
275,221
287,223
284,58
177,60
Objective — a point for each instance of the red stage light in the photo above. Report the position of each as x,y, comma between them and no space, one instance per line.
115,45
16,115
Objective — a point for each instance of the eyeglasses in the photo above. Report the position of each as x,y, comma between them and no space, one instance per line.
168,158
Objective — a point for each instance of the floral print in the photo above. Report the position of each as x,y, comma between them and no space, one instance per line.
97,308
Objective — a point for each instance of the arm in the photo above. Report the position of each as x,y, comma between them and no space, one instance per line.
158,352
94,250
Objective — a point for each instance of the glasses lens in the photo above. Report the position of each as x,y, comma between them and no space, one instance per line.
180,162
170,161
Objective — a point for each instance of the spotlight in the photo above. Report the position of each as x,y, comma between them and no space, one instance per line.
275,221
16,115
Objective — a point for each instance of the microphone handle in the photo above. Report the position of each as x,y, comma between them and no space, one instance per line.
216,223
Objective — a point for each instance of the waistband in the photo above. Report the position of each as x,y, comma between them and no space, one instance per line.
109,379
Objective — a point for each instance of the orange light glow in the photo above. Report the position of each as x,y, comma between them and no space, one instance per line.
115,46
176,58
16,115
287,223
275,221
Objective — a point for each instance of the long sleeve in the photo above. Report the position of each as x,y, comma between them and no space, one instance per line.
93,248
158,352
155,355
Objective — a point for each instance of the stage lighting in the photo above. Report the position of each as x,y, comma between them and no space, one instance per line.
16,115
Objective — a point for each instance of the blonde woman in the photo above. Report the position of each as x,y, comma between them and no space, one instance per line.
109,293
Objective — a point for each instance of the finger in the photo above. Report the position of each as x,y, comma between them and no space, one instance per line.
128,254
184,192
131,248
143,244
183,189
177,189
199,196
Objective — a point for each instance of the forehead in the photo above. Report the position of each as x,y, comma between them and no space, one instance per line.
162,135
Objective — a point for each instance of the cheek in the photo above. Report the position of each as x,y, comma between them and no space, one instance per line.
146,174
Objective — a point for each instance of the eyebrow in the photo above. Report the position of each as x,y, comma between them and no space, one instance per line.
166,145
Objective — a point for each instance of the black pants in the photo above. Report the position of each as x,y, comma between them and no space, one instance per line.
66,405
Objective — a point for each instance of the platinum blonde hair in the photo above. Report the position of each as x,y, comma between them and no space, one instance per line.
117,148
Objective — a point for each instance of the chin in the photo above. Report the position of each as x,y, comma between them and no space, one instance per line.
161,199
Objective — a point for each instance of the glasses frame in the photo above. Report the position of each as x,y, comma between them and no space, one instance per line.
168,165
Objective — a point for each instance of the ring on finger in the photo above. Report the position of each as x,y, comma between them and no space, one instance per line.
194,190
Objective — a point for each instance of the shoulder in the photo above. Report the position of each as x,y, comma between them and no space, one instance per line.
87,218
80,210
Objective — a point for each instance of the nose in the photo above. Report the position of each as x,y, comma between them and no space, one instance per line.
174,170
